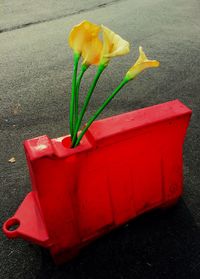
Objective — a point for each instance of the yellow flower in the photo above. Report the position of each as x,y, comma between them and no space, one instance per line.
141,64
113,45
82,34
91,51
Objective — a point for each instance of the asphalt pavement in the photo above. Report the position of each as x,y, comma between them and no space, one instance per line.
35,84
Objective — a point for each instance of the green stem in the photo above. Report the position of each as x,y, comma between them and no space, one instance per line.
107,101
73,95
85,105
84,67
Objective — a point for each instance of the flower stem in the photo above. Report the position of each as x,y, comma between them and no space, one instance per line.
106,102
84,67
73,95
85,105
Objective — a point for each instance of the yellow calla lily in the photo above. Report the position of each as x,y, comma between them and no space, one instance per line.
91,51
113,45
82,34
141,64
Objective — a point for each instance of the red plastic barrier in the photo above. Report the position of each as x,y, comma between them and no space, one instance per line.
124,166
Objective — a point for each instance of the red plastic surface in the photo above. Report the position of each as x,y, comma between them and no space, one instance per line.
124,166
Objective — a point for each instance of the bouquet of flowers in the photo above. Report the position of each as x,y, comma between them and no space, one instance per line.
85,41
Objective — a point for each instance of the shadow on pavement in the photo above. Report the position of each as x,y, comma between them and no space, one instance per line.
154,245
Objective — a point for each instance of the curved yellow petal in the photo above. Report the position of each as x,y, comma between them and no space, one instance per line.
81,34
141,64
113,45
91,52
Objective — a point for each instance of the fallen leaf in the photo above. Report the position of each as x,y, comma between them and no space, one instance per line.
12,160
17,109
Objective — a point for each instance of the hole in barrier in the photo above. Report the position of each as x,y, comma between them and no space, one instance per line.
66,142
12,224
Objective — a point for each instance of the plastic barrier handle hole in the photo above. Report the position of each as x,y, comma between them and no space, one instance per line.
12,224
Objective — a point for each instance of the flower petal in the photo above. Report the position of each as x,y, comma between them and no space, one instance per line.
91,52
141,64
113,45
81,34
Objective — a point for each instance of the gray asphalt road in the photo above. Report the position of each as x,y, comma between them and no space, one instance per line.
18,14
35,82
